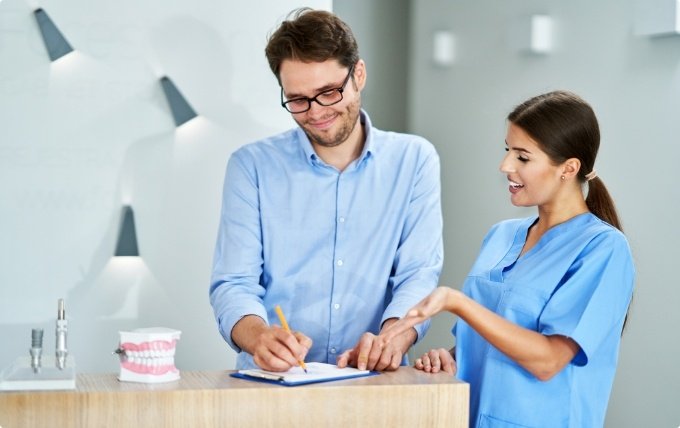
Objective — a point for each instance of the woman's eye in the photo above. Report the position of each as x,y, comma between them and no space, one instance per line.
519,157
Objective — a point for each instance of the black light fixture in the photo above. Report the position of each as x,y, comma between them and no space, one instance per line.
56,44
127,236
181,110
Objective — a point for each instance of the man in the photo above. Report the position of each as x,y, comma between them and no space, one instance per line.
337,222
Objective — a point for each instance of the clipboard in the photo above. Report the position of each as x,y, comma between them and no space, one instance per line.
316,373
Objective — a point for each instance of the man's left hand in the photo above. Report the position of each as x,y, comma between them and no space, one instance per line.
373,353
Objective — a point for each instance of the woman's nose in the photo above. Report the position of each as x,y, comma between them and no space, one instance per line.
506,165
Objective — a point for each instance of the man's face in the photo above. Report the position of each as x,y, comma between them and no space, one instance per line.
327,126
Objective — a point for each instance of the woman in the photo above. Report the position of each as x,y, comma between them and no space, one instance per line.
541,313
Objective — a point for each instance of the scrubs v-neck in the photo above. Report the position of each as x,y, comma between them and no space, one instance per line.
577,281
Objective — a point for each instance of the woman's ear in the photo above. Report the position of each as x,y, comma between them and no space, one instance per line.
571,167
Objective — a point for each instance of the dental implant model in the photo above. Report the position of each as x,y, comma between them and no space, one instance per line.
36,349
40,373
62,324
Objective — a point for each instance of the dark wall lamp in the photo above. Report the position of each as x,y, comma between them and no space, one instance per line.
127,236
181,110
55,43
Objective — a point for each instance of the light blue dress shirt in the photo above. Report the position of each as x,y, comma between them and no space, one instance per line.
577,281
341,252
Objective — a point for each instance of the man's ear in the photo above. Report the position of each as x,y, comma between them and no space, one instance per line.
360,74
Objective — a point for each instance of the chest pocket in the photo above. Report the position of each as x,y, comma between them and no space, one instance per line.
522,305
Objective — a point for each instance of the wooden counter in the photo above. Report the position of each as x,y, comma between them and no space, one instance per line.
405,398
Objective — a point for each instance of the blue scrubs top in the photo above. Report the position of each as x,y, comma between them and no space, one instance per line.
577,281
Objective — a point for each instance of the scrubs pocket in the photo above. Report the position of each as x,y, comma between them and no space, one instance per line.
522,306
486,421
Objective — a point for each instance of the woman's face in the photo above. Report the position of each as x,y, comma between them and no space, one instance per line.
534,179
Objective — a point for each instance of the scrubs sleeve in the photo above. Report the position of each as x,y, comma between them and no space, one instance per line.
592,301
235,288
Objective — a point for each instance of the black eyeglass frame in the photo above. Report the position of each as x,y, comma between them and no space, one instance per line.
340,90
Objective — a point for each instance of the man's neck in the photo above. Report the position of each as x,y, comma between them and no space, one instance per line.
343,154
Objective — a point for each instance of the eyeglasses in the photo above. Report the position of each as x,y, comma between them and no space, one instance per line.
325,98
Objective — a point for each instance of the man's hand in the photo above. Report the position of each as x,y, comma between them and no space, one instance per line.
272,347
373,353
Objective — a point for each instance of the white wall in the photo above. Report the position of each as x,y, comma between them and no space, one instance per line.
633,84
82,136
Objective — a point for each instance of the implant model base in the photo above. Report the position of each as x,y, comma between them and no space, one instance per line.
20,376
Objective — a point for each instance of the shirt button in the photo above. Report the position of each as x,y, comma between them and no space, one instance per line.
340,262
336,306
332,350
341,219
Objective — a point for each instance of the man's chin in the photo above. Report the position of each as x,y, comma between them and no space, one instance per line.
323,142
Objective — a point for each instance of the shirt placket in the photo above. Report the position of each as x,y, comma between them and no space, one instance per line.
340,266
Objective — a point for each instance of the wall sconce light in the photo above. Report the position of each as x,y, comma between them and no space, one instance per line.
127,236
534,34
657,17
181,110
56,44
443,48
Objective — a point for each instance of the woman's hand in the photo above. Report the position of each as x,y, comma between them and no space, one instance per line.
441,299
437,360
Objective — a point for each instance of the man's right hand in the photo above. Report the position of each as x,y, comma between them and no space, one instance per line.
272,347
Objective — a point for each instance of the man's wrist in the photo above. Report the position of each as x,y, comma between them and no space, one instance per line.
246,331
409,337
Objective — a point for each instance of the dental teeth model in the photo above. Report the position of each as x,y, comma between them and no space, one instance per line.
147,355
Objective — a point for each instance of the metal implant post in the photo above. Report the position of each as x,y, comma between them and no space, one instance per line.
61,351
36,349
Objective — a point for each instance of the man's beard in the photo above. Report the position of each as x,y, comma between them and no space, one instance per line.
348,120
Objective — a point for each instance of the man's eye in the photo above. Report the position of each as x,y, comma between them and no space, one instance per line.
328,94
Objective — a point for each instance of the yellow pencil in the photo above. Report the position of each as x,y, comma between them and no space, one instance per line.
284,324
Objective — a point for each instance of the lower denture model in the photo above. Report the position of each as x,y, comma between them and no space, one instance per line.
147,355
